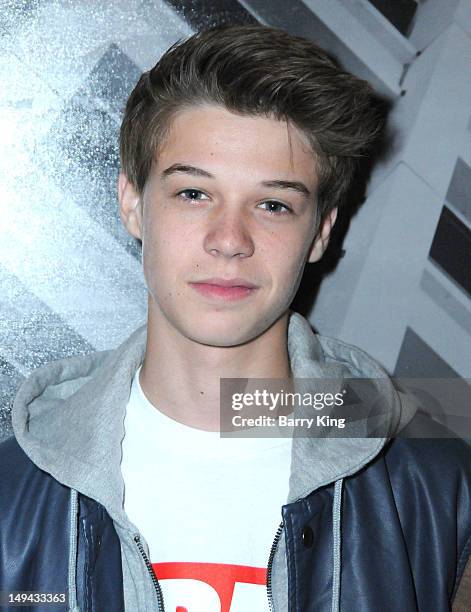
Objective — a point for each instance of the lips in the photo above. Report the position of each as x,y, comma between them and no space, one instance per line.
232,282
225,289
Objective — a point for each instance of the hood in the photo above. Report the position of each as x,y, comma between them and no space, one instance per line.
68,416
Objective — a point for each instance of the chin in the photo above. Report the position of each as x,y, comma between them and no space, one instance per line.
217,330
226,331
225,338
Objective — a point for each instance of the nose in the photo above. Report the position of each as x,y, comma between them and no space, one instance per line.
228,235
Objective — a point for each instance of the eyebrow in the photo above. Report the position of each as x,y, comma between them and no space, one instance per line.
276,184
294,185
193,170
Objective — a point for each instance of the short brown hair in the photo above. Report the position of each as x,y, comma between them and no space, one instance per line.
256,70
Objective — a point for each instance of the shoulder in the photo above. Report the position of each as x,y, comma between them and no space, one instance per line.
13,460
34,524
23,486
431,448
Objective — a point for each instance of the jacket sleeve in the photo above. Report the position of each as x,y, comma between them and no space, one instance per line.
34,527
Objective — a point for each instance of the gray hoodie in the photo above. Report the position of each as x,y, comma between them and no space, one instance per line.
69,419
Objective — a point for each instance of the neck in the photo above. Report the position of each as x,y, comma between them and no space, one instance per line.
181,377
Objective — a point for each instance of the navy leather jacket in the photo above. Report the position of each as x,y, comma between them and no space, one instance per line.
406,534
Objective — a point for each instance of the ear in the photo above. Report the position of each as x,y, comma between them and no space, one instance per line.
321,239
130,207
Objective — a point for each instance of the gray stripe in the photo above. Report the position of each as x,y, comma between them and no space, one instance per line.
85,136
460,188
446,300
30,333
417,359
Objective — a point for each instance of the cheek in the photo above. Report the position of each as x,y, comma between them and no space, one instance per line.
288,267
161,238
288,261
157,255
168,255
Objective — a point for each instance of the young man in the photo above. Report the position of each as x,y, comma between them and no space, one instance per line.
118,491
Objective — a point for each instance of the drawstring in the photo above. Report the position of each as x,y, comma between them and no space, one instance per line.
72,586
336,522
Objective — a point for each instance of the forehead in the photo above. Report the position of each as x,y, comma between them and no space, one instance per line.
263,146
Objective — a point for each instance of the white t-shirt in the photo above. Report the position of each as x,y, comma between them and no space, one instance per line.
208,507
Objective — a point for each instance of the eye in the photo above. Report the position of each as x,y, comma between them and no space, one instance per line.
192,194
274,207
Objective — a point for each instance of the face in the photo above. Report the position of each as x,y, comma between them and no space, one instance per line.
234,198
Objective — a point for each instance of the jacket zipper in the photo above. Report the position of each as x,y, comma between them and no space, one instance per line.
158,590
270,563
